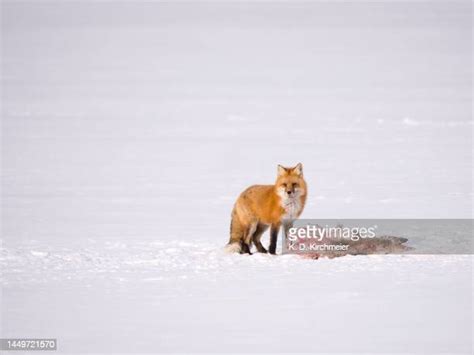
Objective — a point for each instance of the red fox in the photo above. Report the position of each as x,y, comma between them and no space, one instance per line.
261,206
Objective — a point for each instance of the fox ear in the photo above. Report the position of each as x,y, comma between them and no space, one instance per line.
281,170
298,169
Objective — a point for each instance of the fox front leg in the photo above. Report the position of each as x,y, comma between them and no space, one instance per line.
273,238
287,225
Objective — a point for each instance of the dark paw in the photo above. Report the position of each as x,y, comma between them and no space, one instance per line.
245,249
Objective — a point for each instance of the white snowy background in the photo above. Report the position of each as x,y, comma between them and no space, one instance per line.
129,129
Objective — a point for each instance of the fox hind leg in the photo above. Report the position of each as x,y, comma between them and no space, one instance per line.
261,228
247,244
244,248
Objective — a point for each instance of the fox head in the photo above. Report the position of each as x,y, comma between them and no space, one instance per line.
290,182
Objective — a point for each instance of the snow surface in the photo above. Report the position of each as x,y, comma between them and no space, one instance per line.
190,296
129,128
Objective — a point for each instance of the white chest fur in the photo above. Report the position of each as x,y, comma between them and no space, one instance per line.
292,207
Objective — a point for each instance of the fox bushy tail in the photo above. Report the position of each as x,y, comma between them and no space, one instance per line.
236,235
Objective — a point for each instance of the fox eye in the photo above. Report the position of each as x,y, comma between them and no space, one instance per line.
284,185
295,185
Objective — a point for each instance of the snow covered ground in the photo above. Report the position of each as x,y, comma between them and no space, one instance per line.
128,130
190,297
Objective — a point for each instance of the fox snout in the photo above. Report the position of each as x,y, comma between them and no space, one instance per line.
291,189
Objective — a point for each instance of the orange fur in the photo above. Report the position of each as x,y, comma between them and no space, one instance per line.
261,206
